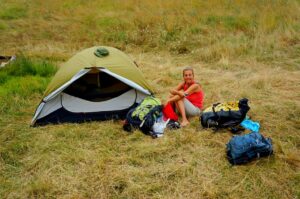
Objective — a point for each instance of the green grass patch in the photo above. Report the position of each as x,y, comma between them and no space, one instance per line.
17,92
22,80
23,66
13,12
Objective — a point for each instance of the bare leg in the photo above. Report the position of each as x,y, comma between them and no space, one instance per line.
178,101
180,107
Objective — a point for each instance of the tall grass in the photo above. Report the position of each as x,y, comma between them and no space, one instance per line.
197,27
10,12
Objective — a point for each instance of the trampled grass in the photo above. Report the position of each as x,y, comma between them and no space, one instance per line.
238,49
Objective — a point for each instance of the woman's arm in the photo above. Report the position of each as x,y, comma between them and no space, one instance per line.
177,88
193,88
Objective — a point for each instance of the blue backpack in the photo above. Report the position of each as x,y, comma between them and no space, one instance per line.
244,148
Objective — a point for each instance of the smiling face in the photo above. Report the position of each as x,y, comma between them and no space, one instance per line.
188,76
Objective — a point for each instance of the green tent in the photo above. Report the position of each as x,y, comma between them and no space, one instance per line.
97,83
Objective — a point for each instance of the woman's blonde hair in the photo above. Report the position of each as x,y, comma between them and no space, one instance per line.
188,68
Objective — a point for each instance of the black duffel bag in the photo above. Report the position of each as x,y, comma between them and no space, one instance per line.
225,115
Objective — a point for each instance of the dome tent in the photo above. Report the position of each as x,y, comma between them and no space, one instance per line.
97,83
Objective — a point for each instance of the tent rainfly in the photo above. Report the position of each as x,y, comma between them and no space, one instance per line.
97,83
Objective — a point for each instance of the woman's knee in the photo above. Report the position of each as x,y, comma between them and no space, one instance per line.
180,101
178,98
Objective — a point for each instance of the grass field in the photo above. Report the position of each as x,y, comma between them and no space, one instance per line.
238,49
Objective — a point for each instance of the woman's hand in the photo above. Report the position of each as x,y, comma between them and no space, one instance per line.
181,93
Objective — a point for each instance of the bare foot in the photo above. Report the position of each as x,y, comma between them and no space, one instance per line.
122,122
184,123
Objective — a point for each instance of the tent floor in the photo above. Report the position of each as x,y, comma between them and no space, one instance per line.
63,116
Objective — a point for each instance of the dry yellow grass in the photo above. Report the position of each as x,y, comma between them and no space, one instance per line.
238,49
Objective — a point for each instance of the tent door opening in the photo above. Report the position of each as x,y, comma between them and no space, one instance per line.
97,86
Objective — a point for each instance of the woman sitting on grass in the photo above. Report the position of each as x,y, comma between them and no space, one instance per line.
187,97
